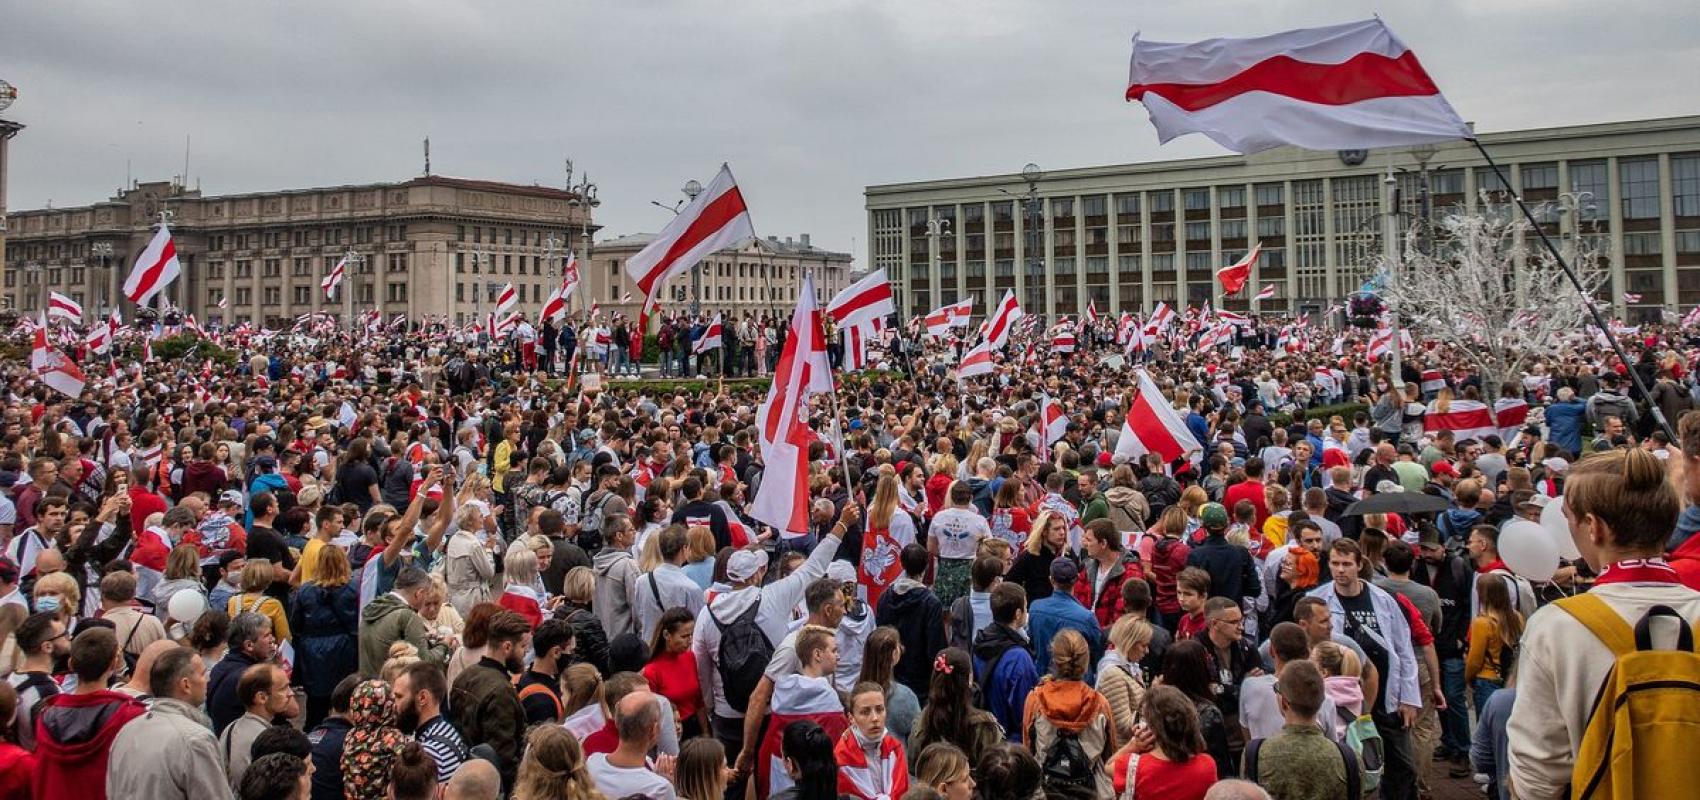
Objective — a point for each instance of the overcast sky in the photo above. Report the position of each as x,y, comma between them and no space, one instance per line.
809,101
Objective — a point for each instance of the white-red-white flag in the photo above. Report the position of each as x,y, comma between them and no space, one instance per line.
782,427
1381,342
155,268
711,337
53,367
1161,319
948,316
99,338
1233,318
1235,275
1003,319
715,220
977,361
334,279
1266,293
1631,297
1062,339
1341,87
1053,422
1152,426
865,300
63,307
507,298
858,342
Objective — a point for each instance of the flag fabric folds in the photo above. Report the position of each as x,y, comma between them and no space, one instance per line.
54,369
63,307
710,339
865,300
977,361
1234,276
1152,426
1266,293
333,280
948,316
1053,423
782,427
1340,87
1003,319
155,268
714,220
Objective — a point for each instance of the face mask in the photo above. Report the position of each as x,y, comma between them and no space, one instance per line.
46,604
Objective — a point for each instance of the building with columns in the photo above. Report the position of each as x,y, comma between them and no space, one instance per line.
1130,235
757,276
427,247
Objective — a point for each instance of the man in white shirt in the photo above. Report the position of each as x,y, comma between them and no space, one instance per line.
1260,712
627,771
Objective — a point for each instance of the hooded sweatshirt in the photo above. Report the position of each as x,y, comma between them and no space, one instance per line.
385,621
73,739
616,585
1074,707
918,615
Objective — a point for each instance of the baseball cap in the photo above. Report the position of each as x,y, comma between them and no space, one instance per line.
1444,468
744,564
1064,572
1213,516
841,571
230,497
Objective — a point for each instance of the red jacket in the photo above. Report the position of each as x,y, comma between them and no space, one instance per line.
17,769
143,503
1685,559
73,739
1247,490
1107,606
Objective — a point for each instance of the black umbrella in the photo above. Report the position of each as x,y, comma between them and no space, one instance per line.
1396,503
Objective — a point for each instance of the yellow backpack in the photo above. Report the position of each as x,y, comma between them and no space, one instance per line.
1641,733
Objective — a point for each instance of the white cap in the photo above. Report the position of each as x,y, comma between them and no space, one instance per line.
841,571
744,564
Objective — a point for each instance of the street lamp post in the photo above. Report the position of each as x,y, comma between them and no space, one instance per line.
691,190
1031,173
583,197
102,251
936,227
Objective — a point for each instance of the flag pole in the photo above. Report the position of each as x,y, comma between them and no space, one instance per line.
837,411
1593,310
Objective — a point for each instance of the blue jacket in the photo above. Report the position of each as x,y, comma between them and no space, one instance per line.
1049,616
325,622
269,482
1005,654
1233,572
1565,420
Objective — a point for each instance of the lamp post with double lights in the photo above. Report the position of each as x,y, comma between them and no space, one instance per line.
583,198
691,190
1031,173
102,252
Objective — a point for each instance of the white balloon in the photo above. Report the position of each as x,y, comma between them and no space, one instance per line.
1552,518
187,606
1528,550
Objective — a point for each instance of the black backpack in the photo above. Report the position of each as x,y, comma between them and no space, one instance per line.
1068,772
744,653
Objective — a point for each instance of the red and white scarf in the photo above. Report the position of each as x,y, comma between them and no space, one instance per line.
856,776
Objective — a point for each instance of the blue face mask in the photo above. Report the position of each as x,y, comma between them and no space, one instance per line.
47,604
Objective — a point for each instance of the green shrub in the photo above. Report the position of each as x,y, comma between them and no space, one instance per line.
1343,410
182,346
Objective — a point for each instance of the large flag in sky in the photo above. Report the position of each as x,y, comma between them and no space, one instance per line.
1340,87
863,301
782,426
154,269
333,280
713,221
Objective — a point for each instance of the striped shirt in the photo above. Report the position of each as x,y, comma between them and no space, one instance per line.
443,742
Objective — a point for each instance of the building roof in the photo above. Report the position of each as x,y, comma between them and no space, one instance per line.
772,244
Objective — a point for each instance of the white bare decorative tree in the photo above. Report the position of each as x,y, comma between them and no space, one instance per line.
1502,301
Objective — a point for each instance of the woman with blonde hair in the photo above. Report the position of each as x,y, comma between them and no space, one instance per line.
578,591
1191,501
700,549
1046,543
701,773
325,615
553,768
976,451
1495,635
519,572
58,592
889,530
1120,679
441,619
584,707
182,573
944,768
256,578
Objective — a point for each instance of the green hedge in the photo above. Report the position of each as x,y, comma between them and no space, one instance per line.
181,346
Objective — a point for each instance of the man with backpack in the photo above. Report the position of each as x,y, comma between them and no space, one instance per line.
736,634
1300,760
1606,648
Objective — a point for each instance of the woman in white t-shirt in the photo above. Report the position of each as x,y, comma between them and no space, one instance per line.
956,534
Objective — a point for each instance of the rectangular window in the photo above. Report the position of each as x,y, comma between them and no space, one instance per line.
1685,185
1539,176
1003,212
1641,244
1271,227
1092,205
303,295
1127,203
1639,180
1196,199
1590,177
1062,207
1230,197
1688,242
1197,261
973,213
1097,265
1270,194
1161,201
1198,231
460,293
1162,262
1233,229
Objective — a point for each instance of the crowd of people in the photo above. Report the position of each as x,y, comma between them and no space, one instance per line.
408,568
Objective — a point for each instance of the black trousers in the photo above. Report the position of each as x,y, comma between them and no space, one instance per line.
1399,773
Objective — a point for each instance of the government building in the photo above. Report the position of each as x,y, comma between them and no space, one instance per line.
1128,236
432,246
756,277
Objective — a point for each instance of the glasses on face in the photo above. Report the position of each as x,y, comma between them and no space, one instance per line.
1234,622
